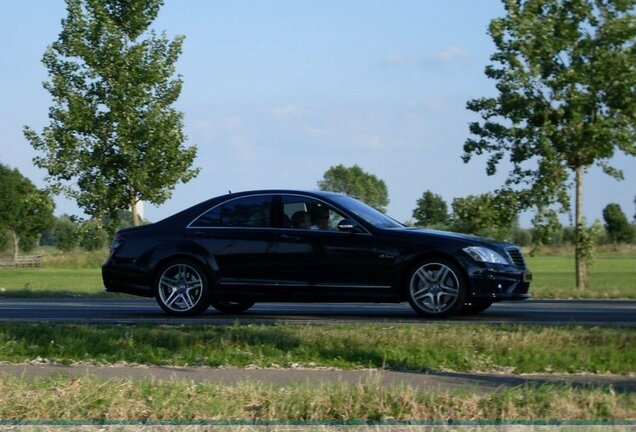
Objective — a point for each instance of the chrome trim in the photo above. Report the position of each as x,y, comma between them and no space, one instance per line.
189,226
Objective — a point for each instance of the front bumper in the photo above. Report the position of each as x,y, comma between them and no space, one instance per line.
500,284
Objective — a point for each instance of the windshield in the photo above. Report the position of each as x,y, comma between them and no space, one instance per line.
367,213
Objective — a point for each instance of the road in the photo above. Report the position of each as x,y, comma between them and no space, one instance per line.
146,311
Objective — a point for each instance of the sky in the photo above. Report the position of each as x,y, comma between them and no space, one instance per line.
276,92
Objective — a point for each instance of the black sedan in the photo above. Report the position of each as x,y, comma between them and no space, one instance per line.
292,246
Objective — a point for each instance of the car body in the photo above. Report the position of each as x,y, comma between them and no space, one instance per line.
296,246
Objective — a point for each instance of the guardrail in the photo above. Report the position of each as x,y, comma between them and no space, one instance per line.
22,261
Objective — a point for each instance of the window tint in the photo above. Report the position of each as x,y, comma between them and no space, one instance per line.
251,212
308,213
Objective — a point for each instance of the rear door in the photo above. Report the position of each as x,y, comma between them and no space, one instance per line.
239,237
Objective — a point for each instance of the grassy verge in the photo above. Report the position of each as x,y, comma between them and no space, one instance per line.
613,276
51,282
60,398
481,348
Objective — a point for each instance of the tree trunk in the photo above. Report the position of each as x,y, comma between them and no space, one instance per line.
581,266
133,211
16,246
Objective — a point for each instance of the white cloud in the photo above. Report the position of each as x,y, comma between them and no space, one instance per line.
395,59
450,54
289,111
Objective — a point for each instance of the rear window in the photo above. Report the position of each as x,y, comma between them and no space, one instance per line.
246,212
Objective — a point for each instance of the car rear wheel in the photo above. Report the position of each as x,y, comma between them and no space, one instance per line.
182,289
436,288
472,307
231,307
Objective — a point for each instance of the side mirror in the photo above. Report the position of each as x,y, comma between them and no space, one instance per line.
349,225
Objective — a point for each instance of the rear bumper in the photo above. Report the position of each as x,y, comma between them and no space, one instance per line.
128,282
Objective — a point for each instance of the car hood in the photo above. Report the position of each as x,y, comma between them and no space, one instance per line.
467,238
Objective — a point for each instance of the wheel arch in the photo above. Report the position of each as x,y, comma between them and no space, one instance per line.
417,259
207,264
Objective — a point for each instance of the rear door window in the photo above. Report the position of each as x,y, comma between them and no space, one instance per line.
247,212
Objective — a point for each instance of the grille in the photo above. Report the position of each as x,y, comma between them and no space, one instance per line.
517,258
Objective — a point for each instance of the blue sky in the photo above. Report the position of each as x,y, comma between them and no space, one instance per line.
276,92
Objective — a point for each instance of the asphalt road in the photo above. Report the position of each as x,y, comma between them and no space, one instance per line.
146,311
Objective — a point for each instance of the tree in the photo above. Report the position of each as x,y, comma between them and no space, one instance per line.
114,138
357,183
482,215
25,211
566,101
546,227
65,233
618,228
431,210
92,235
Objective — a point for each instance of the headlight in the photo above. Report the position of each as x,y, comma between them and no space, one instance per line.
484,254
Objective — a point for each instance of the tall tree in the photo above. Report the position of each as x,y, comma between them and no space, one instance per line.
357,183
25,211
114,138
616,224
431,210
566,100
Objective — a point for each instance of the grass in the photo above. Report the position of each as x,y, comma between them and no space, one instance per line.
480,348
63,399
613,276
51,282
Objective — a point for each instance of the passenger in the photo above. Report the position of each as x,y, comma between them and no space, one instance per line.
300,220
320,218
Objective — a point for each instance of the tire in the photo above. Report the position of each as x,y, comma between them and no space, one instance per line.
182,288
436,288
473,307
231,307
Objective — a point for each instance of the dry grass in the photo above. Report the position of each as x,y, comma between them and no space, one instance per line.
87,398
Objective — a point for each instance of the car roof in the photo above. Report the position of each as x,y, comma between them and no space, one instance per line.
204,205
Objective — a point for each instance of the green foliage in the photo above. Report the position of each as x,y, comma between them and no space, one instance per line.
64,233
616,224
566,100
93,236
482,215
431,210
357,183
5,240
25,210
114,138
546,228
588,238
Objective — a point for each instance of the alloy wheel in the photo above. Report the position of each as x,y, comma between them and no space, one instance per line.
435,289
181,290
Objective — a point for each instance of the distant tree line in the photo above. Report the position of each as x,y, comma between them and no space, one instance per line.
484,215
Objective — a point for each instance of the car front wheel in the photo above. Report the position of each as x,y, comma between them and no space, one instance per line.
182,289
436,288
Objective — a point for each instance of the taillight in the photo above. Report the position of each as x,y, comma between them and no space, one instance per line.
117,242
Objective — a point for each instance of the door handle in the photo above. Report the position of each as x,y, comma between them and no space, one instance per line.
289,237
